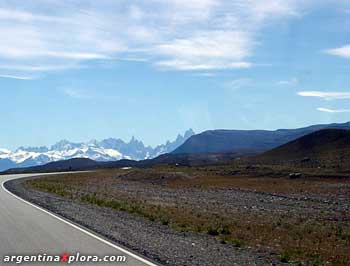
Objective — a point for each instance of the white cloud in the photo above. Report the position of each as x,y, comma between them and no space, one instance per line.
232,45
76,93
16,77
16,15
238,83
182,12
38,68
207,50
59,37
325,95
223,37
343,51
205,74
290,82
188,65
73,55
133,59
333,110
186,35
265,9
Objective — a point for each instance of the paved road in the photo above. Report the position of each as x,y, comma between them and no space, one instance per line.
26,230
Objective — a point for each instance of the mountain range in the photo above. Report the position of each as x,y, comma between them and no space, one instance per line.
110,149
247,141
325,148
206,147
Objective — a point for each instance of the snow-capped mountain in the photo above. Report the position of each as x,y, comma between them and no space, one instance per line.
106,150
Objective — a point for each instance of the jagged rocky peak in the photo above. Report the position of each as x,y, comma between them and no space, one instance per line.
109,149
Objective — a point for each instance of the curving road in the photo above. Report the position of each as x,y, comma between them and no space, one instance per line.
28,230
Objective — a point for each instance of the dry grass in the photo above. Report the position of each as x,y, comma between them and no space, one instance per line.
283,185
309,240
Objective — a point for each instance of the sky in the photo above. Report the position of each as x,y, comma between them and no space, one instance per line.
84,69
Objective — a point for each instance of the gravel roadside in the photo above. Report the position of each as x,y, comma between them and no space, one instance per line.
151,239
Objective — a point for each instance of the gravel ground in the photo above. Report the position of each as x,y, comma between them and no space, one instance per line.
227,201
151,239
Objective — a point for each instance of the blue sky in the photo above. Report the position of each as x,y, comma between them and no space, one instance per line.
82,70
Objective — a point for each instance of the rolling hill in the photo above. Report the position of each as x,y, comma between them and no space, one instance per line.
327,146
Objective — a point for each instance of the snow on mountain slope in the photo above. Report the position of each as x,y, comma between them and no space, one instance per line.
106,150
4,151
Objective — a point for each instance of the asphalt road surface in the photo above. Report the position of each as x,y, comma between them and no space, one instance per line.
29,230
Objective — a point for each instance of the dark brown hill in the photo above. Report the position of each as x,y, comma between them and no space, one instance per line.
327,146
